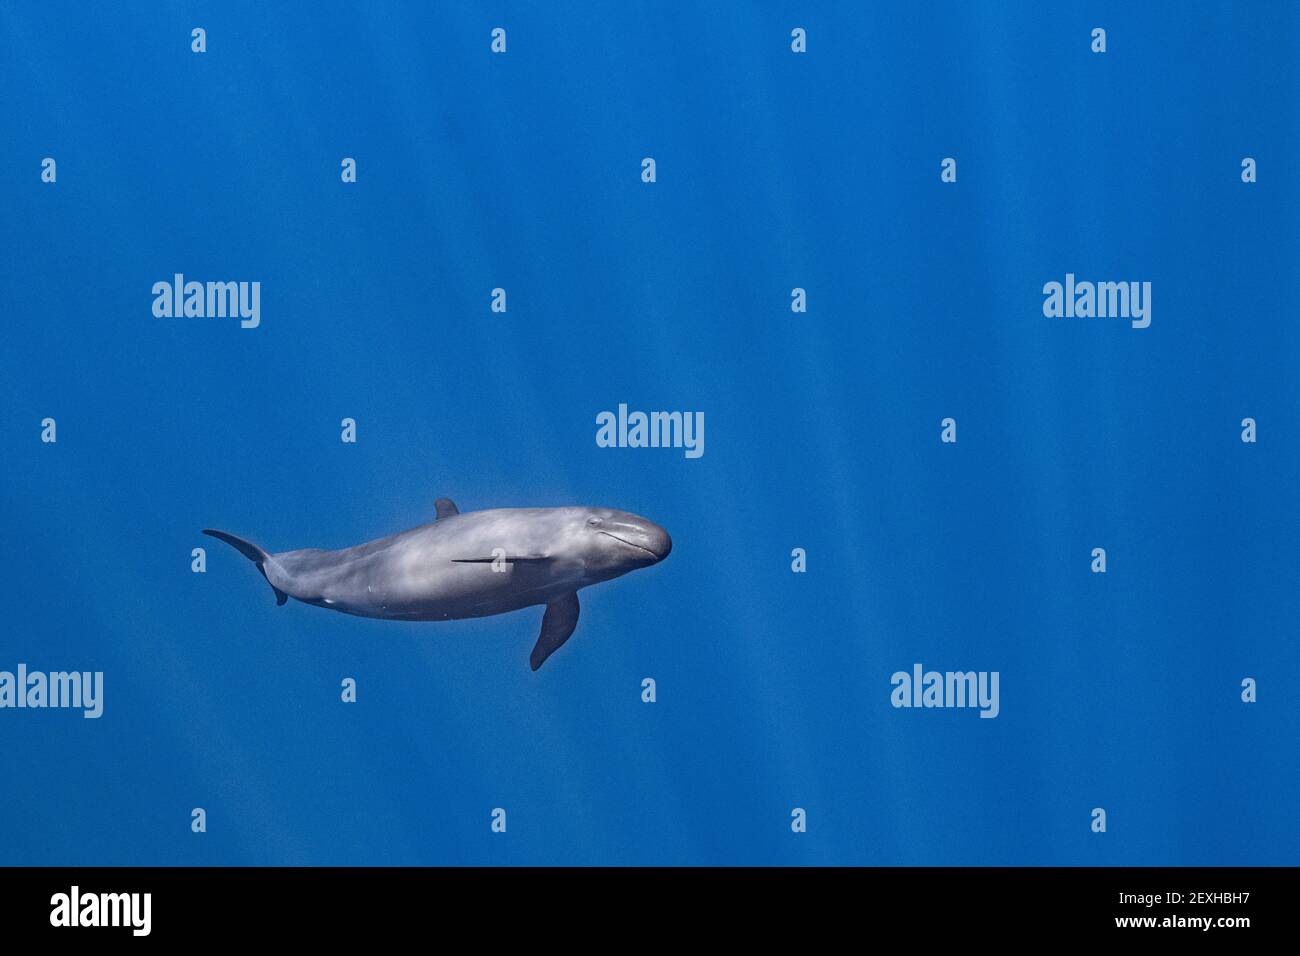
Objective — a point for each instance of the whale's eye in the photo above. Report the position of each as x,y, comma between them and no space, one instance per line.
593,521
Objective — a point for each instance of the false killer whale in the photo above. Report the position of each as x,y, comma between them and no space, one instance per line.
470,565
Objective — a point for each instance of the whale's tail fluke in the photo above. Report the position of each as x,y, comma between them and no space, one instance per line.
253,553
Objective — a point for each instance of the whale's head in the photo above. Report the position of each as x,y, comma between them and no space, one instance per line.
616,542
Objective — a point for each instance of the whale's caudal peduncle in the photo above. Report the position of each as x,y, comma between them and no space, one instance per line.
470,565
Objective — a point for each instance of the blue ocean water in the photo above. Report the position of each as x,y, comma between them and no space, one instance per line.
775,170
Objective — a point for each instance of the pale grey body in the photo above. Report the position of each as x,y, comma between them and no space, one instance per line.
471,565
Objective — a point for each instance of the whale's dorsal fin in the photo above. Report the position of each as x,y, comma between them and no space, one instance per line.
445,507
558,622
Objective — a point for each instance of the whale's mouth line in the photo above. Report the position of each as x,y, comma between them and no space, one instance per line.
631,545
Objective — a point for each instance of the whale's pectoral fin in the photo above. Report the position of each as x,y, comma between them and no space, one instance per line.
558,622
445,507
504,558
